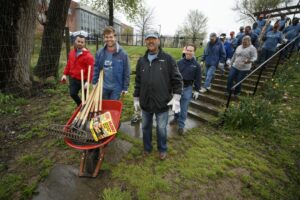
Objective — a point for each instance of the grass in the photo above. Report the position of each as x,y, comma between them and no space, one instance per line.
205,158
115,194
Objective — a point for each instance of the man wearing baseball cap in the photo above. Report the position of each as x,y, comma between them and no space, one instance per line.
214,56
158,84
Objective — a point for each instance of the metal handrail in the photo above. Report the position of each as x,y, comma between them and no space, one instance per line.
259,67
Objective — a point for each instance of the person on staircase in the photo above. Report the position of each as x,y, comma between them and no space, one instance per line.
271,40
290,33
261,21
214,56
190,71
241,64
227,47
253,36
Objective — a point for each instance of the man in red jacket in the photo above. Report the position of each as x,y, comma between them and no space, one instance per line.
79,58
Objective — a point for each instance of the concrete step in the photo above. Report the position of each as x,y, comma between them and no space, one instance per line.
205,107
217,101
216,93
246,87
248,82
201,116
252,78
265,75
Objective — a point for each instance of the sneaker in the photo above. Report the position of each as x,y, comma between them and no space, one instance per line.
180,131
203,90
162,155
208,88
173,122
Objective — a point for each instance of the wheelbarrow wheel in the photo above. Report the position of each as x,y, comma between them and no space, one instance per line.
91,160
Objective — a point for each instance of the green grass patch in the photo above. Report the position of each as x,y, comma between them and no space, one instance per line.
115,194
10,104
9,184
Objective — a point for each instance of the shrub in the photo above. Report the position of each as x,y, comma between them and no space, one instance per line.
249,114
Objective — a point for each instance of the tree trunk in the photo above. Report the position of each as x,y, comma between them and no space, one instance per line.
48,61
17,24
111,12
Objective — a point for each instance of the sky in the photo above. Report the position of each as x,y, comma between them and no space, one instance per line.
170,14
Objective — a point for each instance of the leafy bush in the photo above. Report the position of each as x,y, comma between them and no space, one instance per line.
249,114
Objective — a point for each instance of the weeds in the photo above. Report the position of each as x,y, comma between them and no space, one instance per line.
250,114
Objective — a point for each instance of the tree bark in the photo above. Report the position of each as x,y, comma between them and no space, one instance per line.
111,12
17,24
48,61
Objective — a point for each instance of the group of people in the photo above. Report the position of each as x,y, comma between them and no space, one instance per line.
111,58
250,45
161,82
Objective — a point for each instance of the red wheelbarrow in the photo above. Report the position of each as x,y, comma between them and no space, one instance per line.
93,153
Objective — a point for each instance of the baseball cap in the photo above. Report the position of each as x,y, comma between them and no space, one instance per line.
80,33
152,34
213,35
223,35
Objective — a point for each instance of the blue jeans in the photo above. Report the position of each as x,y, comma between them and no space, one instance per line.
161,130
235,75
111,94
210,73
184,104
265,54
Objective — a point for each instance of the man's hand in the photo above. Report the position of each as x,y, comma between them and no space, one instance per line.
63,79
136,103
175,103
221,66
228,61
86,85
124,92
247,61
196,95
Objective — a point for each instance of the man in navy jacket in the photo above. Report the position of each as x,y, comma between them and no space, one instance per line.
191,74
214,56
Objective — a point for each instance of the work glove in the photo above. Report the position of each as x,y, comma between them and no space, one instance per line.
196,95
175,103
221,66
284,41
63,79
85,85
136,103
201,63
124,92
228,61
